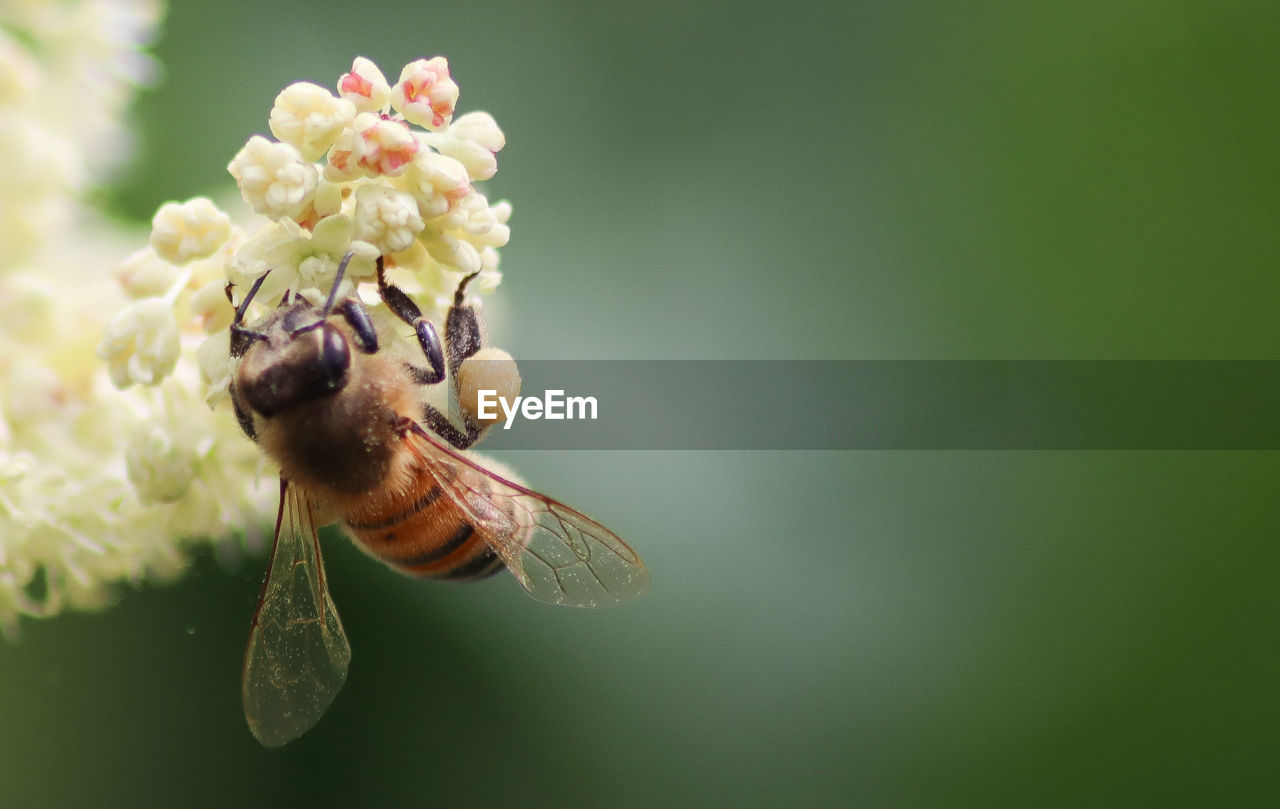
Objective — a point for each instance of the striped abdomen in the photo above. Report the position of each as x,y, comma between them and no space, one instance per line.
423,533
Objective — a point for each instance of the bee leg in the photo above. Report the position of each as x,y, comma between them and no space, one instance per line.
358,318
462,339
441,426
461,327
405,309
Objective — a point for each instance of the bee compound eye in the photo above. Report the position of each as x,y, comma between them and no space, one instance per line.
335,356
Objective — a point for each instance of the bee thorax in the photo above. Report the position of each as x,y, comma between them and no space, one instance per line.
345,444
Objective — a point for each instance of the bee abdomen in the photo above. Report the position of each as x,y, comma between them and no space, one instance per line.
426,536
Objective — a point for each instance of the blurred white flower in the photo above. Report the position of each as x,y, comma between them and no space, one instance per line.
89,474
160,464
86,50
189,230
144,274
141,345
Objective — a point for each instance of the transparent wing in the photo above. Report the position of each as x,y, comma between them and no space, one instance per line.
297,656
558,554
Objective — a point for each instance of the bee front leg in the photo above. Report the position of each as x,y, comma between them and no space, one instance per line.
405,309
361,325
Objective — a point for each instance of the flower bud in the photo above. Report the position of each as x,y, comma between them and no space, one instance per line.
453,252
473,140
141,345
426,94
190,230
386,218
365,86
387,146
144,274
437,183
274,178
310,118
213,357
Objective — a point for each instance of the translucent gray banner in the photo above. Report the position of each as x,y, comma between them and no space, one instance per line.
887,405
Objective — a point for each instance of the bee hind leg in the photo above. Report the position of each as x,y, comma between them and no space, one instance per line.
461,340
441,426
461,327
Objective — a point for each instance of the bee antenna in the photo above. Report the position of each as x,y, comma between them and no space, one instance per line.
242,338
337,282
244,304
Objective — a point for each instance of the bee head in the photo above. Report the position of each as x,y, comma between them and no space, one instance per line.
301,357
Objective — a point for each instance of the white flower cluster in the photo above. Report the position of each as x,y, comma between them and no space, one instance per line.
67,70
349,173
97,486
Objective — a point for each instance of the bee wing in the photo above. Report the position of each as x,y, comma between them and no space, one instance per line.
558,554
297,656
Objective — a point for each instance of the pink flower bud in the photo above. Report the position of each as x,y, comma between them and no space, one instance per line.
365,86
387,146
425,94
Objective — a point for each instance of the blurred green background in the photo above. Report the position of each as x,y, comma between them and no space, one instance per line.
761,180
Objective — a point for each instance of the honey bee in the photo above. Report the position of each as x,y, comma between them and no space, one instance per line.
326,395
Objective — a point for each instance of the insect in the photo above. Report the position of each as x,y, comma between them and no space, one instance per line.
336,401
